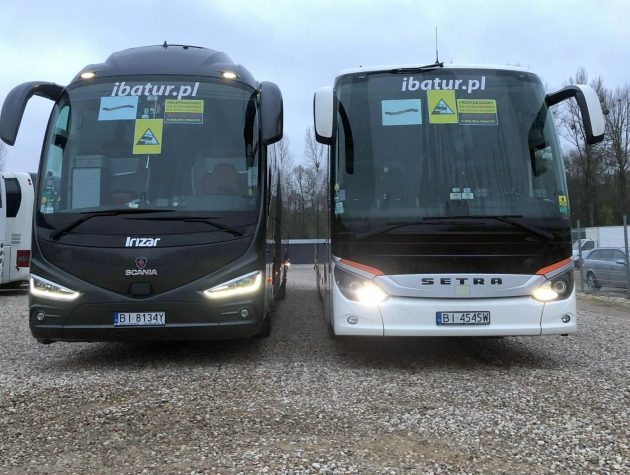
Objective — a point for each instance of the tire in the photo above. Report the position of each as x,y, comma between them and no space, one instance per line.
15,285
331,331
591,282
265,329
282,290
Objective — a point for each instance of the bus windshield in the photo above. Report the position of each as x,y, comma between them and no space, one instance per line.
415,146
152,143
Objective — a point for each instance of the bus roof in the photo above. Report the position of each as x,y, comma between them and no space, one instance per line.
168,59
371,69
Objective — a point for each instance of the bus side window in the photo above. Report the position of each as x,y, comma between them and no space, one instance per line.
14,196
54,162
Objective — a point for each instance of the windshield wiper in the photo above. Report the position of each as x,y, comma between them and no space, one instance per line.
417,69
197,219
509,219
504,218
386,229
91,214
392,226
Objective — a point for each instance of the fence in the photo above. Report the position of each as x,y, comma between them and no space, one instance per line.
302,251
601,259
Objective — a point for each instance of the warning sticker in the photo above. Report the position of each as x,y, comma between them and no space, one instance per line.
147,137
183,111
401,112
442,107
477,111
562,204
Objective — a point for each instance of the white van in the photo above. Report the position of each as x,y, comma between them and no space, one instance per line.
16,215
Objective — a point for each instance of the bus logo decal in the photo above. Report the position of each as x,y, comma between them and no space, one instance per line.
141,242
141,262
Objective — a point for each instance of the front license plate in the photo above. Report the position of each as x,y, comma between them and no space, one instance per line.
462,318
141,319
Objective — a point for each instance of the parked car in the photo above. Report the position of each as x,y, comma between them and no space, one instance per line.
587,245
605,267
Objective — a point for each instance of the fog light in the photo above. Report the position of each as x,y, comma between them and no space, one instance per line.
40,316
244,313
353,319
566,318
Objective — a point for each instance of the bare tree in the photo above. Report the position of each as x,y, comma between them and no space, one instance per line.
617,106
316,156
589,162
284,159
301,187
314,151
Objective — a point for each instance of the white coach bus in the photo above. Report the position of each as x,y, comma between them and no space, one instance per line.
17,222
449,212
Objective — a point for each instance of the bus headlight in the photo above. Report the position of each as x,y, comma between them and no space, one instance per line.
41,287
243,285
556,288
357,288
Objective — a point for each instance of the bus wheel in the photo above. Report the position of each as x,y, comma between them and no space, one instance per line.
331,330
15,285
265,329
591,281
282,291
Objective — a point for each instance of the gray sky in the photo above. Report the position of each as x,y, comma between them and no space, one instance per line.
303,45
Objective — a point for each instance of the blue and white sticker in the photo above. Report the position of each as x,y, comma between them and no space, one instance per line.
339,207
118,108
402,112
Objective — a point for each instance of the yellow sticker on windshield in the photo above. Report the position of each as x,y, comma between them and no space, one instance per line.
147,137
442,107
183,111
563,204
477,111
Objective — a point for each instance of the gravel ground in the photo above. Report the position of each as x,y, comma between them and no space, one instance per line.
299,402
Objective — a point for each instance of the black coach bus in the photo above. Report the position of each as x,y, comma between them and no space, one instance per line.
157,209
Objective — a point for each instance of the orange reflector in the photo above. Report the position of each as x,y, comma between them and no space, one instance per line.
269,280
356,265
552,267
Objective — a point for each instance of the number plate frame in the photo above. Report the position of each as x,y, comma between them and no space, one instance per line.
463,318
139,319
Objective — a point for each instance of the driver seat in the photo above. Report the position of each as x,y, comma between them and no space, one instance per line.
223,180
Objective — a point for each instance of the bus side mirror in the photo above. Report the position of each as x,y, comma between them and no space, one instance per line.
591,109
271,113
323,114
15,103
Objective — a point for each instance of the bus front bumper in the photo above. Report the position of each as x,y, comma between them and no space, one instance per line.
192,319
406,316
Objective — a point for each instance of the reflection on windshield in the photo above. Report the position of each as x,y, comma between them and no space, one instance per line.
445,143
145,144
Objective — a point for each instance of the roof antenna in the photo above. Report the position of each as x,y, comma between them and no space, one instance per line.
437,56
166,46
437,60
